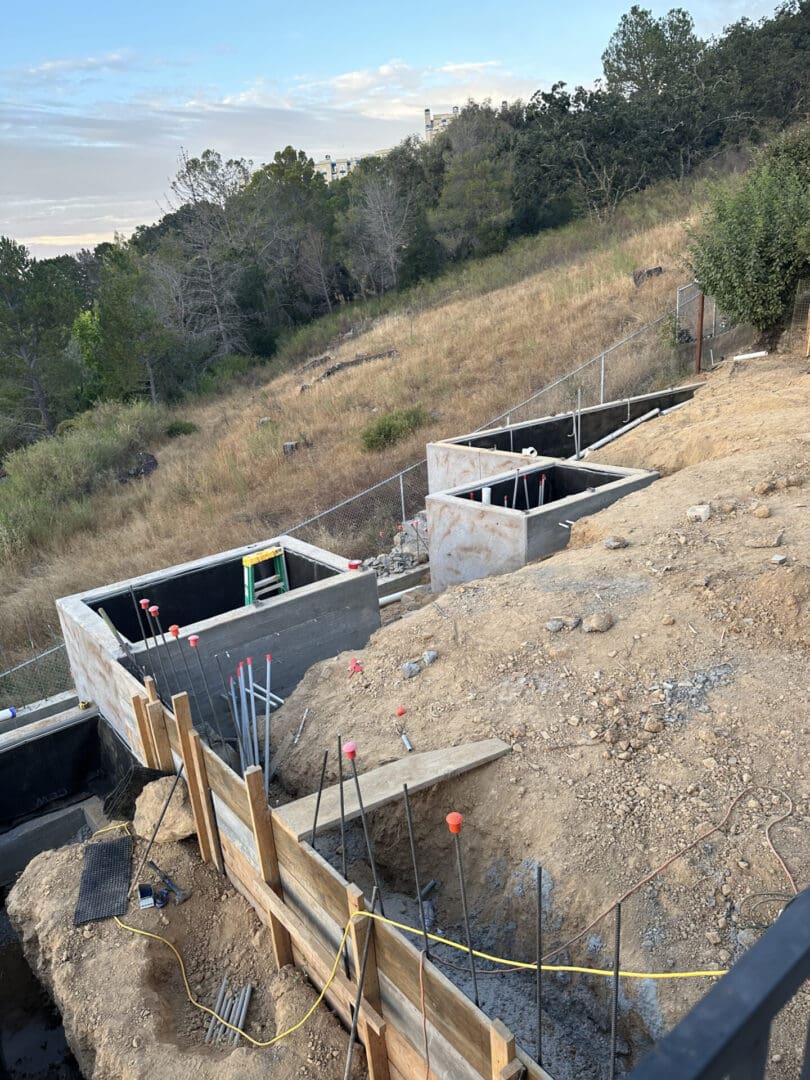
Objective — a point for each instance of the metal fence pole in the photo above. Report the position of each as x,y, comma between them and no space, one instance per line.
602,382
402,497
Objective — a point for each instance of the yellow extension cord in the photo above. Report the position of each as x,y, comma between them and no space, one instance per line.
519,964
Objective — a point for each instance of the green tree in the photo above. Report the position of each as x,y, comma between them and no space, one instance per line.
39,379
647,55
754,243
475,209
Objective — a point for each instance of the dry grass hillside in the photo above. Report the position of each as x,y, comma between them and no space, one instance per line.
463,361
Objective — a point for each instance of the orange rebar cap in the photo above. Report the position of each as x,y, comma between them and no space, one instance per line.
454,822
401,710
194,640
350,750
174,630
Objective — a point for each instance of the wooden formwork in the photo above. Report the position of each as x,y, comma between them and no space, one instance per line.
306,904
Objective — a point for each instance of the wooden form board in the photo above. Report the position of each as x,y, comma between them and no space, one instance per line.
384,784
311,902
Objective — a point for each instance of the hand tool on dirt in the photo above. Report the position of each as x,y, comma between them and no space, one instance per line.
180,895
454,823
158,823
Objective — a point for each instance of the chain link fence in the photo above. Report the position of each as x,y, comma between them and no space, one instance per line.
36,679
799,335
656,355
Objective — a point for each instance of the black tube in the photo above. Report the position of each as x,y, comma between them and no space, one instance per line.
367,838
157,825
614,1005
318,799
466,918
419,900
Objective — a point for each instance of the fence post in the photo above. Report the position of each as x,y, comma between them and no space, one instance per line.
602,382
402,497
699,346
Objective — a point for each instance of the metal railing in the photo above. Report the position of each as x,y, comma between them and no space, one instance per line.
727,1033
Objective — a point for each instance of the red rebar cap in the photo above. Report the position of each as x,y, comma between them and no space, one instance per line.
454,822
350,750
194,640
154,611
354,564
174,630
250,661
144,603
401,710
269,656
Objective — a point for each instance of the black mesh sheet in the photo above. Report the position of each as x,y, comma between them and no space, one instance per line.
105,880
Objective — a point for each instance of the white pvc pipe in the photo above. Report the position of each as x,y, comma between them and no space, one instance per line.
8,714
672,408
486,496
749,356
393,597
621,431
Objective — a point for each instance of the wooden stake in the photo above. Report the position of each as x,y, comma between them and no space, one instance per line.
262,822
182,714
151,689
148,751
502,1048
160,736
207,803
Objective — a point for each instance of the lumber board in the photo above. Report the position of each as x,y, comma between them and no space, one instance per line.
182,715
148,752
209,816
300,861
452,1014
502,1048
382,785
160,737
404,1060
268,862
228,786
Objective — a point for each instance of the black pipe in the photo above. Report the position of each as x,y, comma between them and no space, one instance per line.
142,630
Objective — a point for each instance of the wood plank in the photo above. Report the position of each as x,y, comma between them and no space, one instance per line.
160,737
533,1070
228,786
207,803
452,1014
502,1048
314,873
384,784
182,714
148,752
316,959
404,1060
151,689
268,862
515,1070
361,931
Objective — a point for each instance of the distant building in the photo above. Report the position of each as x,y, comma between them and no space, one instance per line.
334,168
438,122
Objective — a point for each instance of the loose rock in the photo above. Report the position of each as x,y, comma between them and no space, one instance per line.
597,623
178,824
699,512
612,543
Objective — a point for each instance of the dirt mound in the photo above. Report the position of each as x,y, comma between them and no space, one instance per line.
630,743
122,999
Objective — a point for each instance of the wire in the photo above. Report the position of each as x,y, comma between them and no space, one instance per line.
211,1012
109,828
768,827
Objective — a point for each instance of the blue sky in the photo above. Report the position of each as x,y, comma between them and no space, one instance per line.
96,99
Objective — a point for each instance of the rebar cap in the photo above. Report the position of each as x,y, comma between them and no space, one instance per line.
350,750
454,821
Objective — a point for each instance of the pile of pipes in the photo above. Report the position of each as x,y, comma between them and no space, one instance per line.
231,1008
243,693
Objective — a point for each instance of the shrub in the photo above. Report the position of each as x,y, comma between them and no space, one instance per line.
754,244
392,427
181,427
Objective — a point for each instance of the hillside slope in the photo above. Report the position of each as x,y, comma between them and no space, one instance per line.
628,744
463,361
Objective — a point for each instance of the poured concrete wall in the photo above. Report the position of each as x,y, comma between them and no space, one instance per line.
299,628
470,458
471,540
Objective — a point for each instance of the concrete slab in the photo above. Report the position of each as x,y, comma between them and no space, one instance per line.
382,785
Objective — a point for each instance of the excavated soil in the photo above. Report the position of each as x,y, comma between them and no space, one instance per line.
124,1007
628,744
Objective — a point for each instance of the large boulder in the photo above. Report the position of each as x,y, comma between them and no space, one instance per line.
179,820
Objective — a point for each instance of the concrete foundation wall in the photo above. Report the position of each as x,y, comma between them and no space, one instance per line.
470,458
298,628
471,540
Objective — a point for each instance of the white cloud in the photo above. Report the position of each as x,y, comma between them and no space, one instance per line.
112,61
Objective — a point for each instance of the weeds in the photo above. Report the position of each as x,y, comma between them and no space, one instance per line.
392,427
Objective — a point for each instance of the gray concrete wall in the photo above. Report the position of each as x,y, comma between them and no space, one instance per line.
469,540
299,628
545,535
452,463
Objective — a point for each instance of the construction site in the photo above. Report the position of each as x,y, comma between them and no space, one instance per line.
515,812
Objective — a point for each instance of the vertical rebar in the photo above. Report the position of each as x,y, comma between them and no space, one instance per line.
350,751
539,973
194,643
343,867
359,996
267,729
318,798
174,630
466,916
147,613
254,733
142,631
515,489
240,672
166,647
419,899
614,1005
